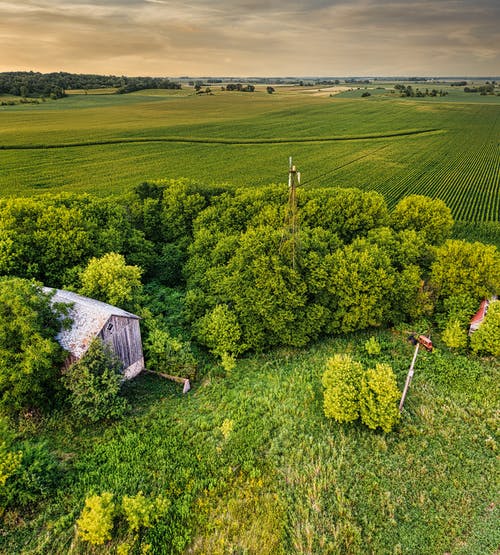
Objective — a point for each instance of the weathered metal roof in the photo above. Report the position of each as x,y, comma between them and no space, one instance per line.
88,316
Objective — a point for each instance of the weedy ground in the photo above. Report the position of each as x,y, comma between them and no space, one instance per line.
252,465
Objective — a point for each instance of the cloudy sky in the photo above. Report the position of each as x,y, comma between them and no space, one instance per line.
252,37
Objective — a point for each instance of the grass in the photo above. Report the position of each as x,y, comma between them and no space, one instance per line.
108,143
252,465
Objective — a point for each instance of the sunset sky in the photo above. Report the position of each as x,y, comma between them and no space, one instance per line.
252,37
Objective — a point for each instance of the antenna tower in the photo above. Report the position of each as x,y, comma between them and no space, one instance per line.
290,237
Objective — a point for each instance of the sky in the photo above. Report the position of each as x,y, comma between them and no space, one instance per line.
252,37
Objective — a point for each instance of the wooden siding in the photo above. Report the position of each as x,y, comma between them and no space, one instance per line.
124,335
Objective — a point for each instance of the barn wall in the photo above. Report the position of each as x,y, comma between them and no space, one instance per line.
124,335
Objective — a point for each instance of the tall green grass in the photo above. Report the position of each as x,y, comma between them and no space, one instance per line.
252,465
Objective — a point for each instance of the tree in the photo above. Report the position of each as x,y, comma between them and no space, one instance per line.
110,280
430,216
360,284
30,357
270,90
94,383
465,269
486,339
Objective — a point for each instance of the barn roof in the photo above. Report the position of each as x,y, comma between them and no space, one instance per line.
88,316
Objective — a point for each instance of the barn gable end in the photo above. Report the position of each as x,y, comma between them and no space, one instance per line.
91,318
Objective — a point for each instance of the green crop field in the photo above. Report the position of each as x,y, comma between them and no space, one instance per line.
446,147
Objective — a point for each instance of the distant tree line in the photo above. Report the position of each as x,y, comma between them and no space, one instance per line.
488,88
409,91
55,85
240,87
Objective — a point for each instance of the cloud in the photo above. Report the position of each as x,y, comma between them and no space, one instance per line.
251,37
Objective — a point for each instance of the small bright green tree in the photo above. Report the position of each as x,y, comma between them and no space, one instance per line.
220,331
487,338
454,335
94,384
110,280
342,379
95,524
378,398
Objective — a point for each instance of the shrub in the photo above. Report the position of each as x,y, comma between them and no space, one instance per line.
341,380
141,512
454,335
96,520
169,354
94,384
33,477
487,338
220,331
372,346
378,397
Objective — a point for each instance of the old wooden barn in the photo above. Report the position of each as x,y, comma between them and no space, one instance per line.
91,318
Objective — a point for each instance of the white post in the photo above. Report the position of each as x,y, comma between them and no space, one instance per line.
409,377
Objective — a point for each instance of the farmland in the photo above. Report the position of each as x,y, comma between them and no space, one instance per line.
446,148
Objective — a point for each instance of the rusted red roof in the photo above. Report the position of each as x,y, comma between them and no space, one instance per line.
480,314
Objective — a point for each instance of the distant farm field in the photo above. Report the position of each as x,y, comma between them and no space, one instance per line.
448,148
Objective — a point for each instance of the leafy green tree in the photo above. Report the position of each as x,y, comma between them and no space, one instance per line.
342,381
360,280
111,280
94,382
468,269
378,398
220,331
30,357
95,524
486,339
425,215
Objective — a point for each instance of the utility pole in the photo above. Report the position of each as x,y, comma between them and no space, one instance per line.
426,343
291,227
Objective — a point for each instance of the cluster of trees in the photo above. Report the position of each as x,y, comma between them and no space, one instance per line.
482,89
356,265
54,85
408,91
239,87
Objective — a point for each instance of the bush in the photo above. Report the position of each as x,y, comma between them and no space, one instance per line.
486,339
165,353
454,335
372,346
378,398
94,384
341,380
142,512
220,331
96,520
34,476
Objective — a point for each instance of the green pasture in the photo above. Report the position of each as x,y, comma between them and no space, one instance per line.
106,143
251,464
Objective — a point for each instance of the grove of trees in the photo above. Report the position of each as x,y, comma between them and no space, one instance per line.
228,254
